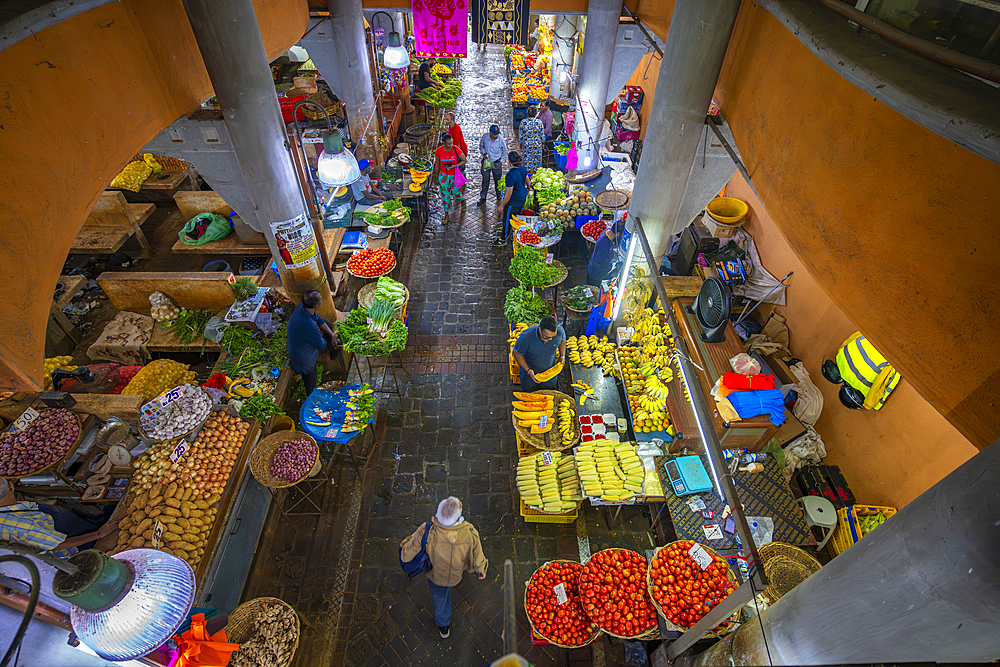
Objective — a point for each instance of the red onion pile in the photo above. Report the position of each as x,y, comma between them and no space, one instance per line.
293,460
42,442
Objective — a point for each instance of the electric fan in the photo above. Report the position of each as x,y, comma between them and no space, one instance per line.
711,308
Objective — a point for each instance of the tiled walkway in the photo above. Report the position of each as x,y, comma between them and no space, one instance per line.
449,434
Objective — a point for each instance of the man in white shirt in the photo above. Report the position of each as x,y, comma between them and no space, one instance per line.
494,151
362,189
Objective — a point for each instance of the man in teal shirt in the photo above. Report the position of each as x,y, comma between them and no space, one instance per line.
538,349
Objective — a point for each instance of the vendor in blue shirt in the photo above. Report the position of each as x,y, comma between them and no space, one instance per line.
517,181
308,335
364,192
601,261
538,349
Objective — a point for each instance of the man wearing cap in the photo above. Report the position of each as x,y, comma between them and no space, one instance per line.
494,149
362,189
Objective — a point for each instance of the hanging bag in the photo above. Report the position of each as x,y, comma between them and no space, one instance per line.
421,562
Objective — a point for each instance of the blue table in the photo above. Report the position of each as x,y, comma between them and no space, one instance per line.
336,403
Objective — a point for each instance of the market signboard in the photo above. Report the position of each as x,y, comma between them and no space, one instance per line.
500,21
441,28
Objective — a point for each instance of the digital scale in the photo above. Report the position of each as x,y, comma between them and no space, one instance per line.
687,475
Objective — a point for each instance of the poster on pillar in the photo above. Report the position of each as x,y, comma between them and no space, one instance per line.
440,28
500,21
296,241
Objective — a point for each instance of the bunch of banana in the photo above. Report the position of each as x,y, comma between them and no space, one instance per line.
516,333
610,470
567,421
583,343
551,488
656,388
637,293
610,368
650,404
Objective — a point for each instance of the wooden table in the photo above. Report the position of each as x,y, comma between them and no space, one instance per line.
230,245
163,342
60,333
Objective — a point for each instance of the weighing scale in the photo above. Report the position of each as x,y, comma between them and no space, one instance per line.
687,475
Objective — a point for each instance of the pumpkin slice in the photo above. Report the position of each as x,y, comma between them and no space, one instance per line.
545,376
528,397
545,429
520,405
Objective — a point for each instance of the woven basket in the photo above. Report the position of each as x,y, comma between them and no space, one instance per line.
612,200
263,454
562,300
650,634
786,567
537,440
593,636
242,624
73,447
366,296
672,626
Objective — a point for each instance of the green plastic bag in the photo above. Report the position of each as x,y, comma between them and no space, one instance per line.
218,228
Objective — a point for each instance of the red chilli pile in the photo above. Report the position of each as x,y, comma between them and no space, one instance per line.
565,623
42,442
293,460
684,591
613,591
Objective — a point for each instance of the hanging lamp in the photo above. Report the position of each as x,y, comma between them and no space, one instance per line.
336,166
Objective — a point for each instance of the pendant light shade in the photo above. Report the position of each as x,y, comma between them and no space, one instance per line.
396,56
336,166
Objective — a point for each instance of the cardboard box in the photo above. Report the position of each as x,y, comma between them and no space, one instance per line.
719,230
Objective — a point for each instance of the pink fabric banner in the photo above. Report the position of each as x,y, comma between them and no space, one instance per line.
441,28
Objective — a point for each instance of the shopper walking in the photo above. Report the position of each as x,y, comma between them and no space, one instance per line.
532,136
455,130
447,160
493,148
454,547
517,182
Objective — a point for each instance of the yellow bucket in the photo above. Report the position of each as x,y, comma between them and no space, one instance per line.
727,210
282,423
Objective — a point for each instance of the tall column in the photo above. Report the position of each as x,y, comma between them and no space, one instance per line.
229,39
347,30
922,587
563,48
692,59
595,73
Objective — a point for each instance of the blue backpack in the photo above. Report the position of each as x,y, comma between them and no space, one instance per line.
421,562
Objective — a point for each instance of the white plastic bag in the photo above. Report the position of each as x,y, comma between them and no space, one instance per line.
161,308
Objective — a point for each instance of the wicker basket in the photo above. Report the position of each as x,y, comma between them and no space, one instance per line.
562,300
786,567
612,200
242,624
593,636
366,296
263,454
650,634
672,626
386,272
73,447
537,440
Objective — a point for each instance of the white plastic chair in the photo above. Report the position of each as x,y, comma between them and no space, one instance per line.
819,512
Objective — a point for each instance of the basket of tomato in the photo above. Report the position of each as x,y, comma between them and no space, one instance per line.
614,594
684,591
564,623
371,262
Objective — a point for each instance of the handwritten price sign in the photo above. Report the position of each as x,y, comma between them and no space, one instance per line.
179,450
26,418
157,535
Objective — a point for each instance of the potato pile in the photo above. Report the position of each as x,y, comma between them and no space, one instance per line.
186,522
157,377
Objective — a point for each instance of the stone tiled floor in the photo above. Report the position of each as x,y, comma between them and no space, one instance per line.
449,433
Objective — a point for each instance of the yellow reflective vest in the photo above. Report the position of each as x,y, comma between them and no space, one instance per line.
862,367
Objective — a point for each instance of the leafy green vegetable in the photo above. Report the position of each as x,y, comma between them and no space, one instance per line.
259,407
244,288
356,335
529,267
522,306
577,299
188,326
248,351
389,290
443,98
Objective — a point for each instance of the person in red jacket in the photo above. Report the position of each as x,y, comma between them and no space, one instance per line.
455,130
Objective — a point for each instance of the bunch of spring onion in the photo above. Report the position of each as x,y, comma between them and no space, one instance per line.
389,290
380,316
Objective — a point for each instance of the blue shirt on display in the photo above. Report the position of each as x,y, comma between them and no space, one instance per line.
539,355
305,340
600,262
517,178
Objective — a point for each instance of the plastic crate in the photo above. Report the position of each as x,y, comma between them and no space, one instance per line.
533,516
523,448
560,159
581,220
848,530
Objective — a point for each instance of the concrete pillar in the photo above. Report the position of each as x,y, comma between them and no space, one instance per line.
692,59
563,48
229,39
595,73
923,587
347,30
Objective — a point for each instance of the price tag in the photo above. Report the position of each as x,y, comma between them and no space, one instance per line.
560,591
548,258
588,292
696,504
157,534
22,422
700,556
543,421
232,278
546,456
712,531
178,452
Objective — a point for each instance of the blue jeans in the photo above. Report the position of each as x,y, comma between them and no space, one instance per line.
527,384
441,599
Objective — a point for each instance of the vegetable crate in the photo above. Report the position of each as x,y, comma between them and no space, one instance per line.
533,516
515,372
848,530
560,158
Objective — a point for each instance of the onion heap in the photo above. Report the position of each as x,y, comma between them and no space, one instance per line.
613,590
293,460
205,466
41,443
182,415
566,623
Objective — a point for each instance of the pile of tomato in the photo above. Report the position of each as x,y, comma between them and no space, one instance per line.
613,590
566,623
529,237
684,591
593,229
371,262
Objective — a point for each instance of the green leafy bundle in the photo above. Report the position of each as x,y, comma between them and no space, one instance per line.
244,288
259,407
248,351
529,267
443,98
389,290
188,326
356,336
521,306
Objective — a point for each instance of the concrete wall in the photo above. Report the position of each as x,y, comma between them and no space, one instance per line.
79,99
889,457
